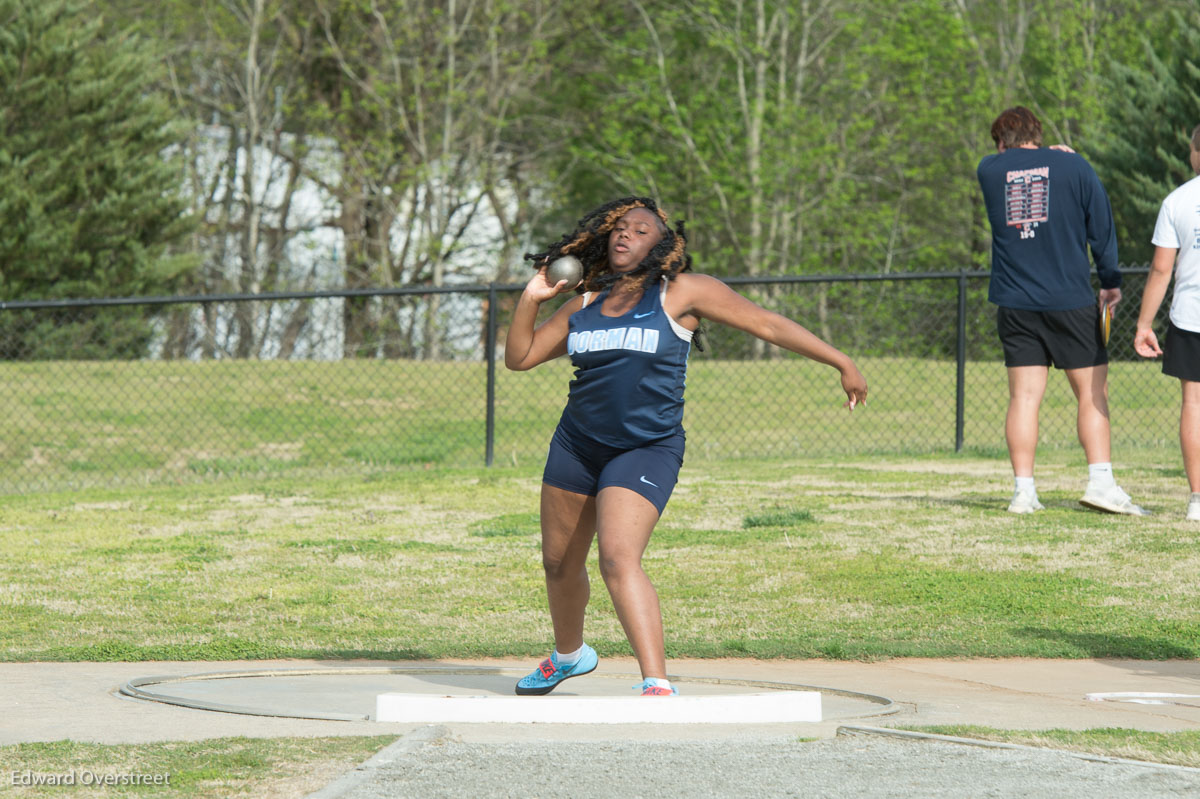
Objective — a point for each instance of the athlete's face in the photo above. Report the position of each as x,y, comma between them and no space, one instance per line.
634,235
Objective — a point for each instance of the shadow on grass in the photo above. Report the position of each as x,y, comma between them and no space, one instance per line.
1100,645
998,503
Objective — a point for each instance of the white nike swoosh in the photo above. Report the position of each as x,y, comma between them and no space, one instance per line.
640,315
647,482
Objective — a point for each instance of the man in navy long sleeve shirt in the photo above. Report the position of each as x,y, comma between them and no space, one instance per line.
1047,208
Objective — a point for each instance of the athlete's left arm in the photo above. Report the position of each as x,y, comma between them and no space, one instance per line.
708,298
1101,231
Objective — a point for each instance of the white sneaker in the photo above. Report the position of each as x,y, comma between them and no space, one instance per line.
1112,500
1193,511
1025,502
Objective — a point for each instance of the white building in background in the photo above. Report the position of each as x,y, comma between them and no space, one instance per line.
313,253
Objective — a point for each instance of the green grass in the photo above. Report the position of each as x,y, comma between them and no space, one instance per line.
243,509
847,557
1174,748
858,558
225,767
75,425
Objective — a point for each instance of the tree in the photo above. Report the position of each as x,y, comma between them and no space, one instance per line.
89,195
232,73
820,136
408,120
1043,54
424,100
1153,109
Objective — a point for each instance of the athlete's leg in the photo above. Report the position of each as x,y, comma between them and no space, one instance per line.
625,520
1090,385
1026,386
1189,432
568,527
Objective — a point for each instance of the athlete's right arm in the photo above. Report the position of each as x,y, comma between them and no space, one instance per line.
1145,342
526,347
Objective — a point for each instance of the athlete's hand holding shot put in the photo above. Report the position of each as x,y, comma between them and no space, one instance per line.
615,457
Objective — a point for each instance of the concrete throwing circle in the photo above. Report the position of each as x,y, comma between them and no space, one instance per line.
481,694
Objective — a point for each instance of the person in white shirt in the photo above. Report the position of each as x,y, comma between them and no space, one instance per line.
1177,249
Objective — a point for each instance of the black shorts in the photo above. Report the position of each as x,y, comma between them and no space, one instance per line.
1181,354
1063,339
581,465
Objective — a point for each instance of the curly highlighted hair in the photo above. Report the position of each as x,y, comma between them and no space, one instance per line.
589,243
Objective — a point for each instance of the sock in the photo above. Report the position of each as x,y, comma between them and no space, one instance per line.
1195,496
1100,475
659,682
1025,484
569,659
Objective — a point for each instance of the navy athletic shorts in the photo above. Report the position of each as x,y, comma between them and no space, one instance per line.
581,465
1181,354
1063,339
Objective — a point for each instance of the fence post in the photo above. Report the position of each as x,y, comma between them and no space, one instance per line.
490,355
960,383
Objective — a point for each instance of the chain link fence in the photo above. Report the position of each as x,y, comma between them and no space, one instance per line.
122,391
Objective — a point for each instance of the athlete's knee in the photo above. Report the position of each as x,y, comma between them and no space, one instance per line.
558,567
615,565
552,566
1025,399
1094,403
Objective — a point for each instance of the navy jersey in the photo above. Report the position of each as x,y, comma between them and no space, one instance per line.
1046,208
630,372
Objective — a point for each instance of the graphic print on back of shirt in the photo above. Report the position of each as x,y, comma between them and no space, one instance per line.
1027,199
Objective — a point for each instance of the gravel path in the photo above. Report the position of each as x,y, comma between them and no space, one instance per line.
426,766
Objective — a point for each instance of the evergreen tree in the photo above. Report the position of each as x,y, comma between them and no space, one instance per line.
89,197
1153,109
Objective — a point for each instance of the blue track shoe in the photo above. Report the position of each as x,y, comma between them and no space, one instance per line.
649,689
546,677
